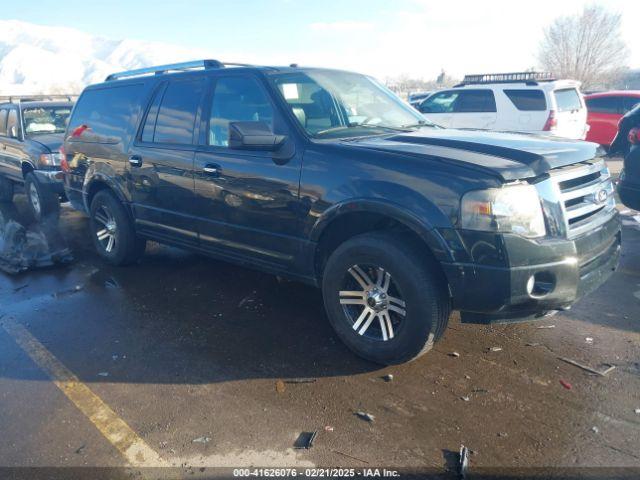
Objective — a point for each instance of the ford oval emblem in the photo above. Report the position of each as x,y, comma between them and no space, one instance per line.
602,196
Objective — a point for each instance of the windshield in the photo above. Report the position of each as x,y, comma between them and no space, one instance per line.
331,104
39,120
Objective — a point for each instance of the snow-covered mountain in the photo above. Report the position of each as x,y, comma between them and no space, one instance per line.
39,59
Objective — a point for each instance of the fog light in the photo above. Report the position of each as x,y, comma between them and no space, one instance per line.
530,284
541,284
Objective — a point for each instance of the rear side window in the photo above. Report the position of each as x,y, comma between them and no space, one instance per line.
176,115
603,104
106,115
567,99
529,100
475,101
3,122
12,120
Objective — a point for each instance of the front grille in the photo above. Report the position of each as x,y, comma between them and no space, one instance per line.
586,195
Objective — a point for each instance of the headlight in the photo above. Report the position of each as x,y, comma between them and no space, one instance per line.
512,209
50,159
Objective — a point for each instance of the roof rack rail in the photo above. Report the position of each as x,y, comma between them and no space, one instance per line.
70,97
512,77
174,67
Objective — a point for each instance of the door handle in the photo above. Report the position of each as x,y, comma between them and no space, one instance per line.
211,169
135,160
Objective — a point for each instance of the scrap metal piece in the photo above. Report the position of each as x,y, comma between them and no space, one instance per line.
601,373
305,440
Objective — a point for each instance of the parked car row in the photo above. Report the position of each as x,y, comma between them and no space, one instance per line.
328,178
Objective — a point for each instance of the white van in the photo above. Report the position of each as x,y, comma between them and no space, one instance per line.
532,102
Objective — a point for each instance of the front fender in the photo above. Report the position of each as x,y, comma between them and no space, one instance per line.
422,225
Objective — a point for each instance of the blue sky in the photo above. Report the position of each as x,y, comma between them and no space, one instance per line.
381,37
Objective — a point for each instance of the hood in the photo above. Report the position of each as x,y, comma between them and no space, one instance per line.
512,156
52,141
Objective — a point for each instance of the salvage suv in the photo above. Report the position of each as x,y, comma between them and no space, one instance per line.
31,132
326,177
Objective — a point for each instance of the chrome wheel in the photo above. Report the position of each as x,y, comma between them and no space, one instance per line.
374,307
107,229
34,198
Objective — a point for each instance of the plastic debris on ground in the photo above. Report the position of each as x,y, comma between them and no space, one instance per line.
301,380
201,440
280,386
388,378
595,429
22,249
545,326
454,354
305,440
328,428
365,416
566,384
495,349
463,464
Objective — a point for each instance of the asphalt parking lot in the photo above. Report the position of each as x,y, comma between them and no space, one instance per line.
193,363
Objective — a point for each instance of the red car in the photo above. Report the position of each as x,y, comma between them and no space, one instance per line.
605,110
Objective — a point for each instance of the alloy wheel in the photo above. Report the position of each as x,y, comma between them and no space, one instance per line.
34,198
375,308
107,229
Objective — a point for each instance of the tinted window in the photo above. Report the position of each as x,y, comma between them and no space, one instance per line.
567,100
12,120
439,103
470,101
236,99
3,122
629,103
177,112
603,104
527,100
106,115
150,122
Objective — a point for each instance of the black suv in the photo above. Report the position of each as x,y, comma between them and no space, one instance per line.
327,177
31,132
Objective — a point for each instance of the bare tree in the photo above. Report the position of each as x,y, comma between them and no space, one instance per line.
586,47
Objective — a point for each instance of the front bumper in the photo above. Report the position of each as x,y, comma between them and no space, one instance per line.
51,179
574,268
629,194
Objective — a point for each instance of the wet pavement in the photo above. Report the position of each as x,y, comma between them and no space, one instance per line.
215,365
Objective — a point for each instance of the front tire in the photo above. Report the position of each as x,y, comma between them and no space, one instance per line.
43,202
386,299
112,230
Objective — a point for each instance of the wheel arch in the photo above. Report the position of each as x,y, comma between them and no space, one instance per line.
98,183
347,220
26,167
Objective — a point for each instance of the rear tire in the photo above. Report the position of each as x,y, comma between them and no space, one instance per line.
112,230
385,298
6,190
43,202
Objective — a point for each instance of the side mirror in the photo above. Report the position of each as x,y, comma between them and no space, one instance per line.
13,131
254,136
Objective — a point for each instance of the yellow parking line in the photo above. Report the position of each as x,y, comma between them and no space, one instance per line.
115,430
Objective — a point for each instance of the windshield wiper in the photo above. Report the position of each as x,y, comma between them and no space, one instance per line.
363,125
421,124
